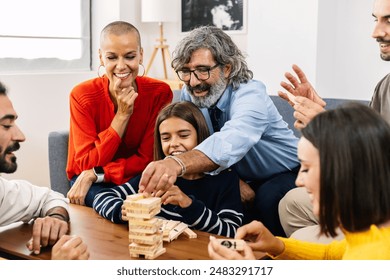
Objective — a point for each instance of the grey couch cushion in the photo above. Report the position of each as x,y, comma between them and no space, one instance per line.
58,156
287,111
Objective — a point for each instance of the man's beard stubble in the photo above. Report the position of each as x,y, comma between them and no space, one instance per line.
384,56
11,165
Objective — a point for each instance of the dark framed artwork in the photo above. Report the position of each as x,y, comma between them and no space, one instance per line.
229,15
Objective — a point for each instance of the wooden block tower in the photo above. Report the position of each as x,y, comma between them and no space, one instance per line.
145,234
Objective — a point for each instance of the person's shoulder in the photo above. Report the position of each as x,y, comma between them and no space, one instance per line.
93,82
255,84
384,80
251,86
2,185
252,92
89,86
90,92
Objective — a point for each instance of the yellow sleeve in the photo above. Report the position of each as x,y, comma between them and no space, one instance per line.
303,250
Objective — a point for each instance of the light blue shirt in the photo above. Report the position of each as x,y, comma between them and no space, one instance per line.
253,136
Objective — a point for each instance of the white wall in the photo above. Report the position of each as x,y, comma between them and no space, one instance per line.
348,61
329,39
280,33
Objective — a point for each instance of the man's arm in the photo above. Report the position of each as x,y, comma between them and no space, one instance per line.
197,162
59,213
162,174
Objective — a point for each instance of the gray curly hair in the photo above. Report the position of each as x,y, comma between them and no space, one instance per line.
222,47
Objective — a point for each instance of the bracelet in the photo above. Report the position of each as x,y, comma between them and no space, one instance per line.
63,217
180,162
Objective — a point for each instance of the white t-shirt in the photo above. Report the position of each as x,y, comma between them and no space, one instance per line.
22,201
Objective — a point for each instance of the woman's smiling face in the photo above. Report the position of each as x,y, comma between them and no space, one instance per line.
309,174
177,136
121,56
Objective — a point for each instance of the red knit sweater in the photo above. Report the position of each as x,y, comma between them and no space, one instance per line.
93,142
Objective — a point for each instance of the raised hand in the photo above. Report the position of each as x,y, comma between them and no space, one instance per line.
299,87
305,111
301,95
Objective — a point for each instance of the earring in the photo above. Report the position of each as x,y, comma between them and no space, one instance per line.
143,71
98,71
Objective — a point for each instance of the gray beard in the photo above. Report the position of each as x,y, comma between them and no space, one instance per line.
212,97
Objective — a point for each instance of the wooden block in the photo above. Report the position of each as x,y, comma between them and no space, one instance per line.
134,197
144,203
148,256
145,226
143,213
145,249
234,244
175,232
190,233
149,239
168,225
142,222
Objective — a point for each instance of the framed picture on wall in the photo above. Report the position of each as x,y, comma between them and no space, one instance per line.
229,15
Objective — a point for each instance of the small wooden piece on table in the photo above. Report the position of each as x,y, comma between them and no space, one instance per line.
172,229
234,244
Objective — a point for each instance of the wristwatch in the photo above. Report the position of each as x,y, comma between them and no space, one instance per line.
99,172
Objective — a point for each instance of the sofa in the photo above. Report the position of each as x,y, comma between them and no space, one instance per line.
58,140
287,111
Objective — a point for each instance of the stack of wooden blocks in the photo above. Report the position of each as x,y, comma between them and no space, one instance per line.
145,230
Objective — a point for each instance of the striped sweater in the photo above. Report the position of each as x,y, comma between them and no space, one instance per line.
216,204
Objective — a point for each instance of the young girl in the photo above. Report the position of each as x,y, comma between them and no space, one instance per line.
204,202
345,167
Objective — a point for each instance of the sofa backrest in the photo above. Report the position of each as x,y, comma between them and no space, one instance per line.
58,156
287,111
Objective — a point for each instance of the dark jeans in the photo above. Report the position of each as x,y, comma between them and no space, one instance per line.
268,195
92,190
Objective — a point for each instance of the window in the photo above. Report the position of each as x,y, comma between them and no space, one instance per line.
44,35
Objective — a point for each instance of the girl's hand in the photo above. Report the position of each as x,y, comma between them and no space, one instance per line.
176,197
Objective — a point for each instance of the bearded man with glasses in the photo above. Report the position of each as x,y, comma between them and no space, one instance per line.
247,132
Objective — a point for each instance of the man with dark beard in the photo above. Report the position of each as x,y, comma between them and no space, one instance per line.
247,131
295,208
310,103
22,201
381,98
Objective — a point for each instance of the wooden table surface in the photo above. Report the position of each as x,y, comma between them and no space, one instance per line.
105,240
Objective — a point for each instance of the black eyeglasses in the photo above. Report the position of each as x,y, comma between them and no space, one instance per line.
201,73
